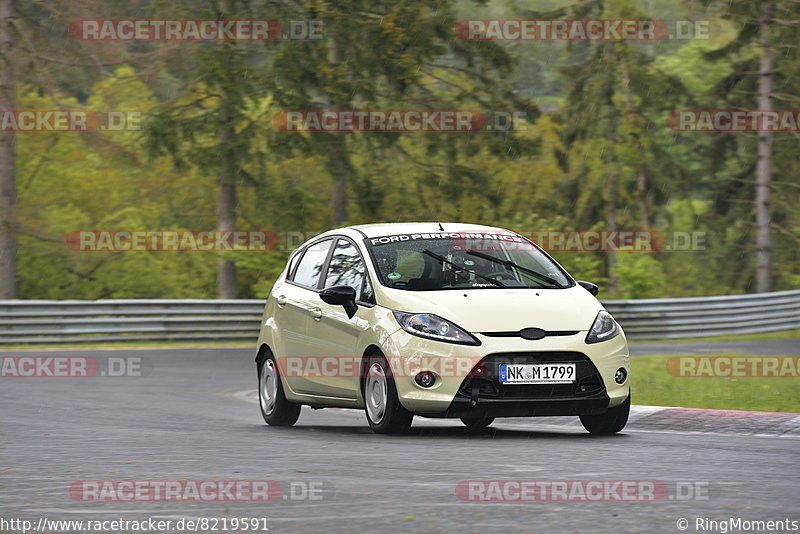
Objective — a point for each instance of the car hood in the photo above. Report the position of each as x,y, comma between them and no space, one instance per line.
500,310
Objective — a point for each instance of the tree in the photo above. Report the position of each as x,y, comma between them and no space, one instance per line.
207,127
388,54
762,76
609,115
605,160
764,151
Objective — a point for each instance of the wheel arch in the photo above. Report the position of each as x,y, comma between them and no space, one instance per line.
370,351
263,350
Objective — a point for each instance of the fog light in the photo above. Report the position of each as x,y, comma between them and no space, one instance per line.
620,376
425,379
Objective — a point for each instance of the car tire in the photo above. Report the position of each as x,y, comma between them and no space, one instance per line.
477,423
382,406
275,409
610,422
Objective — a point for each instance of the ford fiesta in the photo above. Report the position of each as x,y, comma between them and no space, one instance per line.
438,320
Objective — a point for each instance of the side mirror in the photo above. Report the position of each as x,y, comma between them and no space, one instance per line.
590,287
341,296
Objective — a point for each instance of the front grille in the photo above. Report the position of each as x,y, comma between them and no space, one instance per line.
515,333
587,379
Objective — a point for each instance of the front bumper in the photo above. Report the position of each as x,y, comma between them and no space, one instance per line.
462,407
460,392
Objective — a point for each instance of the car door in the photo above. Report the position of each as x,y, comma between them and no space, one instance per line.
335,335
296,302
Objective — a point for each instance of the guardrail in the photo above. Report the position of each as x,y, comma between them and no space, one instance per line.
78,321
707,316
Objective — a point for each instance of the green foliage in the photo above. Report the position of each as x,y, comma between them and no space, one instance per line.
640,276
569,169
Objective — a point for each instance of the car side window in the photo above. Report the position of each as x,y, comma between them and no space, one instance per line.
292,264
346,268
309,269
367,294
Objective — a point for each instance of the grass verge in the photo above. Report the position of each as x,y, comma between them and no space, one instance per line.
784,334
653,385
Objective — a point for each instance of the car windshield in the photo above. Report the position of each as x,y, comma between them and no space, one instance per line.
434,261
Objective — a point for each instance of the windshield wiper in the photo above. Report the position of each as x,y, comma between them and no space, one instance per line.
457,267
509,263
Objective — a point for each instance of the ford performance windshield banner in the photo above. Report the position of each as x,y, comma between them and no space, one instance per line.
465,236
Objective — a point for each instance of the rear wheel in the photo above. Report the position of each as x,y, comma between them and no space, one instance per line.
384,412
276,410
609,422
477,423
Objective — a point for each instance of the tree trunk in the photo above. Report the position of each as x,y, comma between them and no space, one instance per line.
226,203
8,187
641,177
612,226
764,162
226,212
338,159
339,200
341,171
611,206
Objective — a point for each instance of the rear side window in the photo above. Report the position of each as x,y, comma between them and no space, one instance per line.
310,267
346,268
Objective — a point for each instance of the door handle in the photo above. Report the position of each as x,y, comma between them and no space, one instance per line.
280,300
316,313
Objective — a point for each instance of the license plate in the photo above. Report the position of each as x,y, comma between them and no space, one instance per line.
537,373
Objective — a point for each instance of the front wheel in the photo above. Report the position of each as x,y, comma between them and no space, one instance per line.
385,414
276,410
609,422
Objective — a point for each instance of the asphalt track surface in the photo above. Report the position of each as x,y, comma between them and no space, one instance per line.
191,417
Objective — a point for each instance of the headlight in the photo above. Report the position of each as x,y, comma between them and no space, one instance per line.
432,326
603,329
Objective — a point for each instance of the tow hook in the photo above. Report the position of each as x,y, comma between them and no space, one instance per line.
476,390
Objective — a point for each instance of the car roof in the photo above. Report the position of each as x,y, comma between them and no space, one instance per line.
382,229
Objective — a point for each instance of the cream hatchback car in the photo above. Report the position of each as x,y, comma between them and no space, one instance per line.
438,320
